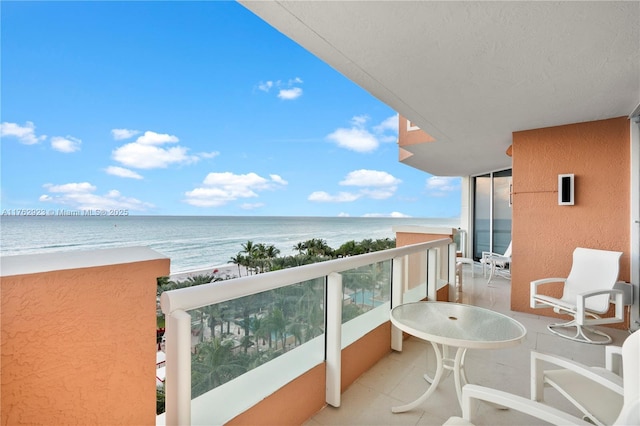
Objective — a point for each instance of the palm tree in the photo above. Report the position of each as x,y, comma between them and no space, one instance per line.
278,325
367,245
213,365
250,249
237,260
271,252
300,247
262,330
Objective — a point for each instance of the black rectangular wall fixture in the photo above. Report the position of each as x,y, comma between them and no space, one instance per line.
566,190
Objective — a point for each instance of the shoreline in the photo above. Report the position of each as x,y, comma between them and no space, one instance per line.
227,271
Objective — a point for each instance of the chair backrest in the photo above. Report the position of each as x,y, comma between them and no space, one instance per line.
630,414
507,253
592,270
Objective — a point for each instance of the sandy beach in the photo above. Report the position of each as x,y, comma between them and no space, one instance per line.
226,272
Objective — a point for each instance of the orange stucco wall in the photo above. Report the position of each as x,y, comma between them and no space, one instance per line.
544,233
417,269
78,345
411,137
308,390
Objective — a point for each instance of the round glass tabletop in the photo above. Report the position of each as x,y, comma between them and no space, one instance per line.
455,324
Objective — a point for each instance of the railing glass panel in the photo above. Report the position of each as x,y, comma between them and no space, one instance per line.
231,338
365,288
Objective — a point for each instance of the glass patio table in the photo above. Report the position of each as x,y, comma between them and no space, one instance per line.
456,325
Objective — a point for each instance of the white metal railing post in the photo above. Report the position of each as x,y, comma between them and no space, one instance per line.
453,253
333,335
432,274
178,368
397,290
452,263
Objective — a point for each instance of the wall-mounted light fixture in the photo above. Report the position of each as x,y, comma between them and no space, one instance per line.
566,193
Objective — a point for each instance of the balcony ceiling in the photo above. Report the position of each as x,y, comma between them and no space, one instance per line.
471,73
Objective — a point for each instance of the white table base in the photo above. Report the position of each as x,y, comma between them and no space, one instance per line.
443,362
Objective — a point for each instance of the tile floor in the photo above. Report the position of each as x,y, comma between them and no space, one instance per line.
398,378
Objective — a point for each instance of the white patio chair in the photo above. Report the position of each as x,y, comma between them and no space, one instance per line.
624,413
603,397
495,261
472,394
586,295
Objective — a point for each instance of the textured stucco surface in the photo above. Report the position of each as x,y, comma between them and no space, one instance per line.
544,233
417,272
78,345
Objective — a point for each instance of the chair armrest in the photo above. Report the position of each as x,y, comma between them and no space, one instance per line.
537,373
534,290
617,301
515,402
486,254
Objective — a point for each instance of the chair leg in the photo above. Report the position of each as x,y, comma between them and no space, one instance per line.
579,335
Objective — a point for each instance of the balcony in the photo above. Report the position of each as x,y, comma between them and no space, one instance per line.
87,356
398,377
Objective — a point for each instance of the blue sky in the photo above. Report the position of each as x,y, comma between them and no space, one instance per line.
191,108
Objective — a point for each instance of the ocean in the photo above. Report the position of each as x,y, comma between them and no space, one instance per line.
192,242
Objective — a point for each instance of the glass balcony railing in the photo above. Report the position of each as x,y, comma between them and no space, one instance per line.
229,344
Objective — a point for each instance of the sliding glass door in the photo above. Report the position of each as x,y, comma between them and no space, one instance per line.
492,212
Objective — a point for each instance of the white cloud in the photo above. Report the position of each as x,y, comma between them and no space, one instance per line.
66,144
392,214
122,172
25,134
145,154
341,197
265,86
379,193
388,124
142,156
290,94
251,206
439,186
219,189
153,138
119,134
81,195
373,184
365,177
343,214
360,139
354,139
387,130
287,91
357,138
398,214
212,154
278,179
360,120
71,187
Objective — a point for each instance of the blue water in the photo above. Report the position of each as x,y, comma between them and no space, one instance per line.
365,298
192,242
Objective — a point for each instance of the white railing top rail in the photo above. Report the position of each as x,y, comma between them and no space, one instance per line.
189,298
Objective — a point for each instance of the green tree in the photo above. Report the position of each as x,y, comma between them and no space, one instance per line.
212,365
239,261
160,398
